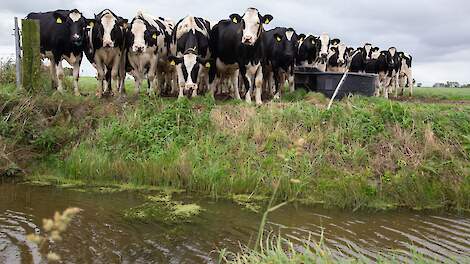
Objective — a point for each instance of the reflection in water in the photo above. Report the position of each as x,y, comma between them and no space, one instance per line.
99,234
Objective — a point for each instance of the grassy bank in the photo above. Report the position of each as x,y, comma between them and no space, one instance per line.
364,152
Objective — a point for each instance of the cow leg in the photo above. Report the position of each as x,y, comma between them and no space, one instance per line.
291,80
235,84
60,77
137,82
247,81
53,75
100,74
259,85
277,84
409,75
115,75
76,75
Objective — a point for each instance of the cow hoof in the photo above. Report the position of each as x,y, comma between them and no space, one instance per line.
259,103
277,97
77,94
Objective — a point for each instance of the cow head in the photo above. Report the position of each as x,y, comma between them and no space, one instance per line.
108,29
190,64
392,57
308,48
75,23
405,59
324,45
252,24
374,53
287,41
141,35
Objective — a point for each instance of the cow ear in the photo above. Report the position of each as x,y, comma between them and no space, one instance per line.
208,63
173,60
91,22
122,22
59,18
277,37
335,41
236,18
267,19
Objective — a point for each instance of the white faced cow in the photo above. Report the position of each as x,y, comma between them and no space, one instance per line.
338,58
322,58
191,38
238,48
142,40
107,39
62,37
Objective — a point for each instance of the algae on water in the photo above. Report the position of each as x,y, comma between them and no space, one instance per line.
161,208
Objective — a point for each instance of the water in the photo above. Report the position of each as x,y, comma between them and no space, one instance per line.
100,234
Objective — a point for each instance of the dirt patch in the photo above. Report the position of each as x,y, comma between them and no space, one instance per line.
232,119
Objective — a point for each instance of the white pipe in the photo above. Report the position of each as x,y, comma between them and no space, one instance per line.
337,89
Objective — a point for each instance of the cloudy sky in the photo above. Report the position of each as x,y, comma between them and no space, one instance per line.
435,32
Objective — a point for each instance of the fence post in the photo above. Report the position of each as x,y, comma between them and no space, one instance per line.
18,55
31,54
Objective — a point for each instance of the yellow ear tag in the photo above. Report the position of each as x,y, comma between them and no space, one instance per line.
278,39
173,63
59,20
267,21
235,20
92,24
154,36
208,65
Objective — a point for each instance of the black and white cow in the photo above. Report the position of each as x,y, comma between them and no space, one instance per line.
166,72
308,49
191,38
238,48
387,65
107,38
338,58
62,34
362,60
405,77
143,39
281,46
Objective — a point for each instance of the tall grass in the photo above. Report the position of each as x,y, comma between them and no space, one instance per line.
364,152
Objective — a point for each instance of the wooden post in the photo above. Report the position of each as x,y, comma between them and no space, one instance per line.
31,54
18,55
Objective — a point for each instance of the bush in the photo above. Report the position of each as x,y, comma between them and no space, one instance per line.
7,72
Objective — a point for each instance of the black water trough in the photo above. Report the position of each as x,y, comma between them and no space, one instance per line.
326,82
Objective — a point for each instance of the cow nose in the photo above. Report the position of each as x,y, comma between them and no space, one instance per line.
247,39
190,86
324,55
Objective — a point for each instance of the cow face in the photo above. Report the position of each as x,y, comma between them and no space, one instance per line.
341,54
392,57
140,36
252,24
374,53
75,23
108,30
324,45
287,43
189,65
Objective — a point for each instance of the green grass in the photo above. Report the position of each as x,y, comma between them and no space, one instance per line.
363,153
279,250
443,93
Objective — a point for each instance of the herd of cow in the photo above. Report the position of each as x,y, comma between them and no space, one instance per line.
193,56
